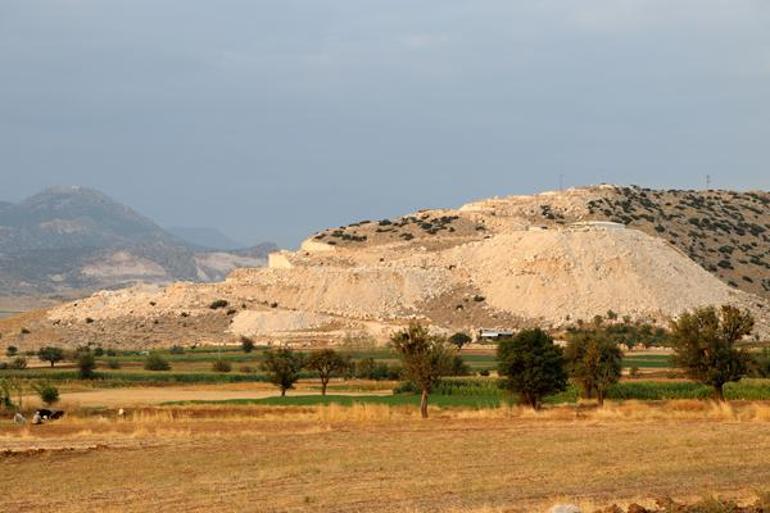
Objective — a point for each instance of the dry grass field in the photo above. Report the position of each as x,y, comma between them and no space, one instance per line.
380,458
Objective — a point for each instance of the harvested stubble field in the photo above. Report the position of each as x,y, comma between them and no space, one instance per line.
384,458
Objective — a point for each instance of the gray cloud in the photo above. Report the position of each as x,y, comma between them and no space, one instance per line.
270,119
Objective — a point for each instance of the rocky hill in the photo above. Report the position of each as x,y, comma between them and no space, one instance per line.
67,240
546,260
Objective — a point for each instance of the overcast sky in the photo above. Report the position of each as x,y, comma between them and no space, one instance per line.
272,119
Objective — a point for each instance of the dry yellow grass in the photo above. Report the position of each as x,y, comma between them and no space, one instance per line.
379,458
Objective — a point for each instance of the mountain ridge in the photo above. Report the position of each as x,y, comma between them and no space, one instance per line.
70,240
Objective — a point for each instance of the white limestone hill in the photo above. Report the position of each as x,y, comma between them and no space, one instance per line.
493,264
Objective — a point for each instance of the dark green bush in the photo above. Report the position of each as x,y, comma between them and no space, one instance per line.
86,364
219,303
368,368
48,393
156,362
51,354
247,345
532,365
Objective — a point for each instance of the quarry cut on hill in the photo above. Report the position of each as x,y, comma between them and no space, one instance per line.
545,260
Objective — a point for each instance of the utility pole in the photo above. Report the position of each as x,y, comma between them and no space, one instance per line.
561,182
708,182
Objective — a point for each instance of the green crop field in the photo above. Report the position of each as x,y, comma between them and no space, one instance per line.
485,393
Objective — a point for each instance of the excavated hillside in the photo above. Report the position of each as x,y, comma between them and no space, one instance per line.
545,260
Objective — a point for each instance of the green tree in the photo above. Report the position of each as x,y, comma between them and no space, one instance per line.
532,365
460,339
51,354
247,345
86,363
594,362
328,363
425,358
283,367
47,392
156,362
705,345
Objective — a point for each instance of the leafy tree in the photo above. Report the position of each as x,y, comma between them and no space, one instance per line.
425,358
11,351
532,365
283,367
705,342
86,363
51,354
47,392
594,361
247,345
328,363
460,339
156,362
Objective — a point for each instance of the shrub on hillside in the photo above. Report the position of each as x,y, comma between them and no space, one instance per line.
156,362
217,304
11,351
113,363
176,349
